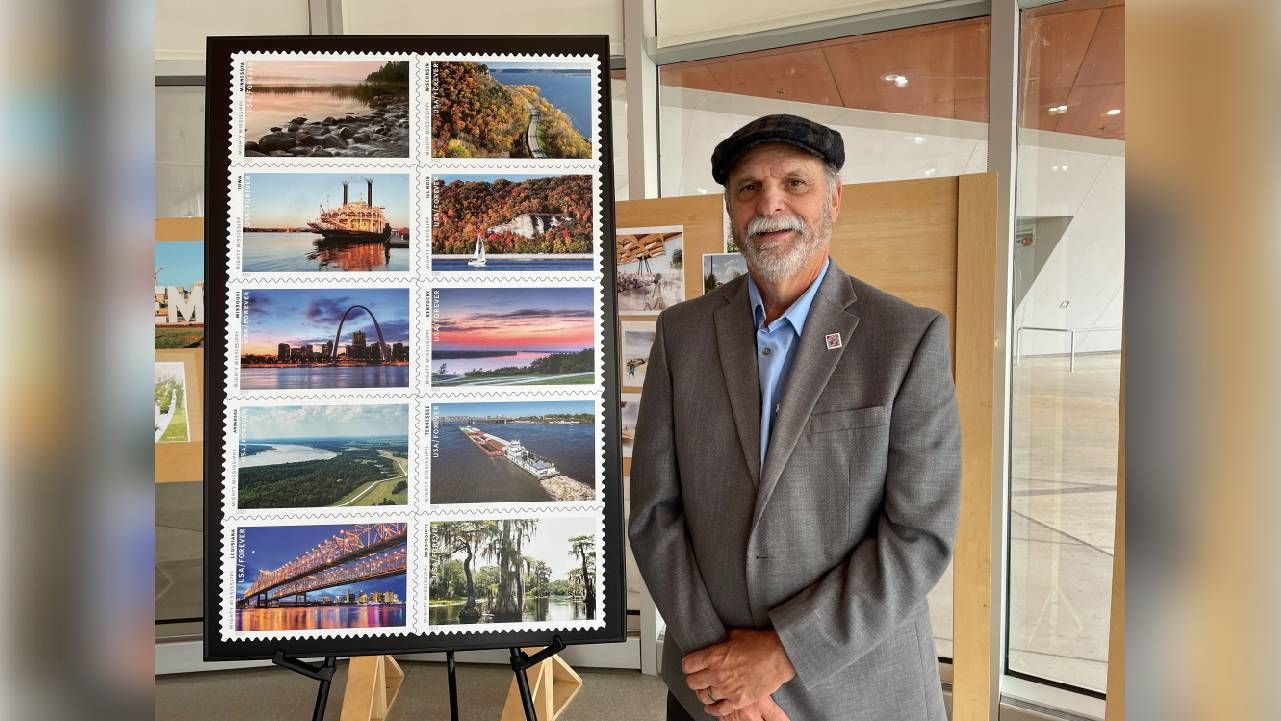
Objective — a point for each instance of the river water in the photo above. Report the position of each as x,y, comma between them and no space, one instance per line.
307,617
569,92
536,609
461,473
275,108
284,453
505,265
306,252
320,377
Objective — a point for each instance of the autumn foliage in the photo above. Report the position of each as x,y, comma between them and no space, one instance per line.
475,116
464,208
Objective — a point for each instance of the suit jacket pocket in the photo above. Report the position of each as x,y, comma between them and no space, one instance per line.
848,418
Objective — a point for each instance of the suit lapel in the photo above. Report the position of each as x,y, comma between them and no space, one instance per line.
811,368
736,344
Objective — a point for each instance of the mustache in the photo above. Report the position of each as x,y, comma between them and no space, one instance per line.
773,224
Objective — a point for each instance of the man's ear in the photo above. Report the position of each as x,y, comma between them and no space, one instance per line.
836,200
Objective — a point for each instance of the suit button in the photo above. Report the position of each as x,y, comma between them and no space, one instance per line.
765,351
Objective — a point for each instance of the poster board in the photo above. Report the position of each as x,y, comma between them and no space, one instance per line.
410,386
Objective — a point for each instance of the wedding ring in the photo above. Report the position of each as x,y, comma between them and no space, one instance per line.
711,696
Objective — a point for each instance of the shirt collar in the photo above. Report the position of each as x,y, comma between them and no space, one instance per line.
799,310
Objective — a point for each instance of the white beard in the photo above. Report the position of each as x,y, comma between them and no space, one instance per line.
783,260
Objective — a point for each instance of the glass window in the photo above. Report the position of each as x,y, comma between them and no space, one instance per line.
1068,270
180,151
909,103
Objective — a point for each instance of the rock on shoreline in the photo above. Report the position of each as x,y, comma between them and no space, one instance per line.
383,132
564,488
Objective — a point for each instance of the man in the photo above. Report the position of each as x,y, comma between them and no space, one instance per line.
796,469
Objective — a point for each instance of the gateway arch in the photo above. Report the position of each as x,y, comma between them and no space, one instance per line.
383,349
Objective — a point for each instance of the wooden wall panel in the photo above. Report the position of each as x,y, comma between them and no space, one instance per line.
1115,709
975,354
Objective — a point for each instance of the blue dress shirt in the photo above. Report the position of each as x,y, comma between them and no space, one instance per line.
775,349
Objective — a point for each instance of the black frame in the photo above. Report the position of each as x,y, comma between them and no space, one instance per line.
219,51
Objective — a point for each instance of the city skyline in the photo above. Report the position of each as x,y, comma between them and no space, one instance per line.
520,409
309,317
338,420
279,200
517,319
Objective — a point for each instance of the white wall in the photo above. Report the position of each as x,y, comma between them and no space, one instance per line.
183,25
505,17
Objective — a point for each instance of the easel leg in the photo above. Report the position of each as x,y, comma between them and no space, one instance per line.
547,692
322,694
453,686
324,673
522,682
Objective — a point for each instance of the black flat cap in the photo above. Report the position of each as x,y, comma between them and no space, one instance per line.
803,133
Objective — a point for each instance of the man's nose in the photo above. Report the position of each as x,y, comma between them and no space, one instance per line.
770,200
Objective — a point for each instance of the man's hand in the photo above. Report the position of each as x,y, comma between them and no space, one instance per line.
762,710
743,669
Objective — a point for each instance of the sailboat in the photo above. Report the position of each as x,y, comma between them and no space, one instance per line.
478,255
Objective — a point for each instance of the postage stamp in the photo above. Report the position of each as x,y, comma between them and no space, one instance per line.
505,109
326,221
318,107
324,338
323,457
515,454
290,578
518,571
515,336
484,224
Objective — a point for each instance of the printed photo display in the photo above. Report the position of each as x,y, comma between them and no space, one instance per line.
638,338
650,263
413,416
171,403
180,294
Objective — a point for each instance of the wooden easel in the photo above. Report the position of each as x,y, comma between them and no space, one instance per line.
374,681
552,684
372,685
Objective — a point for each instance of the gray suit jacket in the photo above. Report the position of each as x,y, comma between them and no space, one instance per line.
837,540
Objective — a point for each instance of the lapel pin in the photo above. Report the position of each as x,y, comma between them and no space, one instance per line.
833,340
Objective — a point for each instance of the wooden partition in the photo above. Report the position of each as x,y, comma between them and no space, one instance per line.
933,242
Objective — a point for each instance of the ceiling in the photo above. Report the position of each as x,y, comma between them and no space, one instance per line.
1072,54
